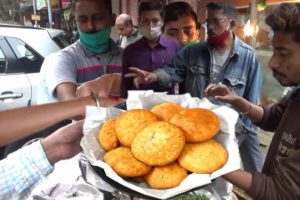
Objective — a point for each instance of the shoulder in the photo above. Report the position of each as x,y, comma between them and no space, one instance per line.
241,45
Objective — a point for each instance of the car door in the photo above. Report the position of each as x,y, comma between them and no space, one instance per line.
19,70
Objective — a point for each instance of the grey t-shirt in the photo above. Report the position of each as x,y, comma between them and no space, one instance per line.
219,60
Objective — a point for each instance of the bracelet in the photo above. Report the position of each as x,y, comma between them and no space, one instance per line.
248,111
97,100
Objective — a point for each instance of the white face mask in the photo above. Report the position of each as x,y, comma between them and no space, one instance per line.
150,32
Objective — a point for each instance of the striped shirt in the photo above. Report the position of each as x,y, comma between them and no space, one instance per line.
21,170
76,64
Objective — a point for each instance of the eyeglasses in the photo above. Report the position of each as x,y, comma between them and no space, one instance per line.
214,21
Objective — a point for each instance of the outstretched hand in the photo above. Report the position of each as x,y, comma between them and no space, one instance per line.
63,143
220,92
104,86
141,76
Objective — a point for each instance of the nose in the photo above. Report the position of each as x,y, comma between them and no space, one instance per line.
90,25
274,62
182,37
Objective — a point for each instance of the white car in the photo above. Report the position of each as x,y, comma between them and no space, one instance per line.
22,51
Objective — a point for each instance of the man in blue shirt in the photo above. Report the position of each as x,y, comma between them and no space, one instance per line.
224,58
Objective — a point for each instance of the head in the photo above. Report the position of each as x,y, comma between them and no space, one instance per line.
94,20
124,25
93,15
285,61
220,21
180,22
150,19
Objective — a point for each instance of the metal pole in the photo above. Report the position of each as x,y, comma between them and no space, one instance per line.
34,12
253,22
50,13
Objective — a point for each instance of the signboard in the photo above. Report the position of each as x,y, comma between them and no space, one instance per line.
36,17
43,4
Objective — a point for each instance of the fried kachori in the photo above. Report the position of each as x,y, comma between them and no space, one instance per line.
158,144
130,123
204,158
124,163
199,124
167,176
167,110
107,136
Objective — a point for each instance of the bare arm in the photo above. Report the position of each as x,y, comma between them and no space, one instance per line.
240,178
21,122
66,91
222,93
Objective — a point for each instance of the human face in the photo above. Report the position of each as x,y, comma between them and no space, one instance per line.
285,61
92,16
150,18
216,22
123,30
183,30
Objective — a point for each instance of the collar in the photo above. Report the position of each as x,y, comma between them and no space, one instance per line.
162,41
113,49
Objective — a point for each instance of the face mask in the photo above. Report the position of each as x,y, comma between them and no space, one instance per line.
97,42
186,44
150,32
219,39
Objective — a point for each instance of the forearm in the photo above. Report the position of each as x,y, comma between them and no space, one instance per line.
252,111
18,123
239,178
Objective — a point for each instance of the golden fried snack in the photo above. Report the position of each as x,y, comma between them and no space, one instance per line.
107,135
199,124
158,144
130,123
204,158
166,111
167,176
124,163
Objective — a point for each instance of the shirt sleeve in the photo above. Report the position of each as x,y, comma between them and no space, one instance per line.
59,68
21,170
284,184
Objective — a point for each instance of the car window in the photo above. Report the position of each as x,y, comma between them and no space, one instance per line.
31,60
2,62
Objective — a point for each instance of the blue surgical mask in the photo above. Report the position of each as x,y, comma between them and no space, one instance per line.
97,42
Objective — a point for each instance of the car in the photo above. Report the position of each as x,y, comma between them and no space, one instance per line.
22,52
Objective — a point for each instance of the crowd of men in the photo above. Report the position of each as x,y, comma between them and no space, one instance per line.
164,53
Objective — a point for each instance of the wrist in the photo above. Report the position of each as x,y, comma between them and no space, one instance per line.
51,150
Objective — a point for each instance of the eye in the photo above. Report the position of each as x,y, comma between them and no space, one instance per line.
82,19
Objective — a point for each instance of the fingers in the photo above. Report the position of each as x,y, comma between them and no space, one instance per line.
136,83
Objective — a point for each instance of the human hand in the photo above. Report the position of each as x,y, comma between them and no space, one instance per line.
63,143
220,92
141,76
104,86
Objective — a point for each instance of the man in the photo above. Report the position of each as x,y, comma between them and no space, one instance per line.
223,59
21,170
128,33
93,55
180,23
279,177
152,51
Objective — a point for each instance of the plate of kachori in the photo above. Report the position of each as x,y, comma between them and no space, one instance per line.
163,146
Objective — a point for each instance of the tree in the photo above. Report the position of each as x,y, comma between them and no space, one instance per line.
9,8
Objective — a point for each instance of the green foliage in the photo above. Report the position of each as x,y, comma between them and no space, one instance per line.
190,197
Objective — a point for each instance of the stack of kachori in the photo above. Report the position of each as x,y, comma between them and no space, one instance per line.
161,146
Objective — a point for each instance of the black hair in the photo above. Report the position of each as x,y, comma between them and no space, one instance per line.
227,8
286,18
148,6
107,3
176,10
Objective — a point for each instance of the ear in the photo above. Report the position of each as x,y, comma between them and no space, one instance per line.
113,20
